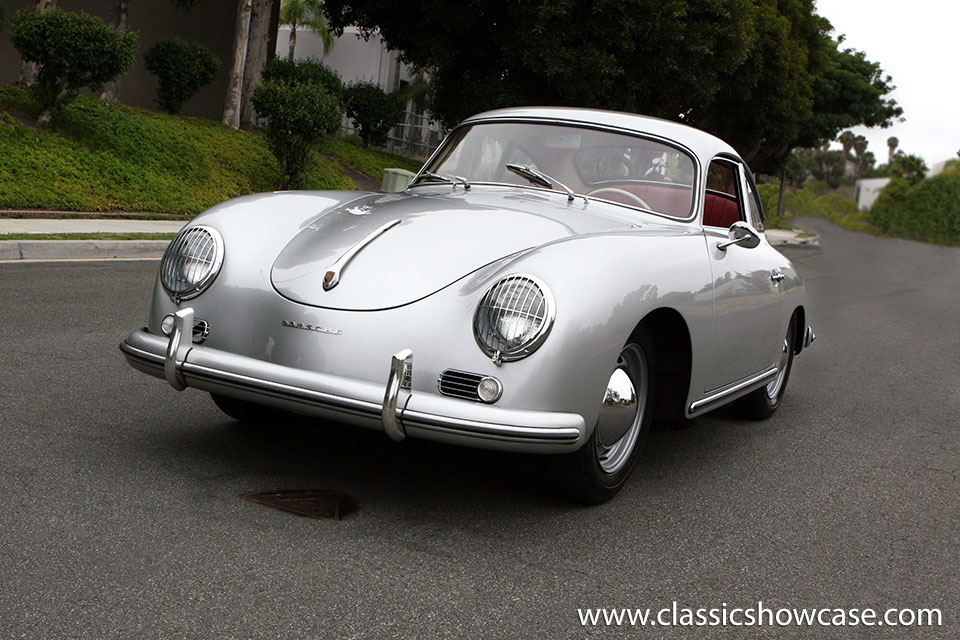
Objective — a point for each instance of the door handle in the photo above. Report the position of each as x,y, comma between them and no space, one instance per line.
776,276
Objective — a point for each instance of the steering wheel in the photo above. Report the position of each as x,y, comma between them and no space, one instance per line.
620,192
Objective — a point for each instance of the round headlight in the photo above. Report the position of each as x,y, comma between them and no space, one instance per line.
191,262
514,317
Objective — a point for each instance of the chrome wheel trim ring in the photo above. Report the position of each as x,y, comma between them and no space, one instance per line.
774,387
614,457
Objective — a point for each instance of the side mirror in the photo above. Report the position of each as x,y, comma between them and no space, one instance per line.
742,234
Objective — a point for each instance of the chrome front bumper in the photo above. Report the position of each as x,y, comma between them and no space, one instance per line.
391,408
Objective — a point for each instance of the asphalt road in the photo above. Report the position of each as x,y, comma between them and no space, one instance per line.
122,516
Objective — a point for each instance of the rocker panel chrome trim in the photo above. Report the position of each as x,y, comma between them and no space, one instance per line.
716,397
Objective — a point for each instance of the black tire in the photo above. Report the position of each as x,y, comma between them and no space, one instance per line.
595,473
762,403
247,412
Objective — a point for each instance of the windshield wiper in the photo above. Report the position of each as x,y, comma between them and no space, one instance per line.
541,179
446,177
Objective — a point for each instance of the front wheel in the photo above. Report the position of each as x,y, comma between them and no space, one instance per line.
596,472
761,403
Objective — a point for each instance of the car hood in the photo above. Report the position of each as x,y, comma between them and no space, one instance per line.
439,239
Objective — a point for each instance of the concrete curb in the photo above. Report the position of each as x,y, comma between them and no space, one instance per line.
790,238
12,250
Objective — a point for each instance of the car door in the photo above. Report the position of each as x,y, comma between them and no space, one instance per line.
747,301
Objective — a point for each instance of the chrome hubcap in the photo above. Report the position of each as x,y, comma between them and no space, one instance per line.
622,411
774,387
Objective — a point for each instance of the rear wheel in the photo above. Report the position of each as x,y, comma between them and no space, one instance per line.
596,472
763,402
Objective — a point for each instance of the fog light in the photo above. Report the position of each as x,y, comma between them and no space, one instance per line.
166,325
489,389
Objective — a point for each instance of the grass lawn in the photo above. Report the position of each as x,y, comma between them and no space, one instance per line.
95,156
367,161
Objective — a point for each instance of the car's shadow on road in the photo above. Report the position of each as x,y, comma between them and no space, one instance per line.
221,456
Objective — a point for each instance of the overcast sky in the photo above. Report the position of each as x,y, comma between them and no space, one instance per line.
918,43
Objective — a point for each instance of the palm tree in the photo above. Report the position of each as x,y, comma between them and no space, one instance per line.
307,14
846,139
892,143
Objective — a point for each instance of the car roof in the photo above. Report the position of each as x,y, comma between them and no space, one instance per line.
700,142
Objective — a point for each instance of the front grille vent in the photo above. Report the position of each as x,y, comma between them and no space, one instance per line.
201,329
460,384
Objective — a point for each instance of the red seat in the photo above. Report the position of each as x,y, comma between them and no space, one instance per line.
719,210
668,199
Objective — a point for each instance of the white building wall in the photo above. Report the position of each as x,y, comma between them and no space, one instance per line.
867,191
352,57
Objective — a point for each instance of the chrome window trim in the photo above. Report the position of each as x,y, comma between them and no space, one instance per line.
542,333
695,208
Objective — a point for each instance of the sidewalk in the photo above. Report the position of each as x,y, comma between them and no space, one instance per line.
72,225
43,250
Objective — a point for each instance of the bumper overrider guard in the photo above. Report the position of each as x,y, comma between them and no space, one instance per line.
393,407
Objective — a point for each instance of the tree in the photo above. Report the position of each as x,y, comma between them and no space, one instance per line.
241,36
298,114
373,111
908,166
307,14
257,50
28,69
119,12
181,68
864,159
765,75
846,141
73,51
849,90
892,143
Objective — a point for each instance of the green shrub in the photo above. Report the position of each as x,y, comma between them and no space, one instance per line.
890,206
297,114
303,70
833,207
181,68
769,198
72,50
373,111
928,211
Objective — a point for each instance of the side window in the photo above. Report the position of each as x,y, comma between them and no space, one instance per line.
721,203
752,201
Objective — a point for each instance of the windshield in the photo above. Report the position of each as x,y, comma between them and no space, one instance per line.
619,168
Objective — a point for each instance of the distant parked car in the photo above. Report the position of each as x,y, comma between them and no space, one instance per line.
552,280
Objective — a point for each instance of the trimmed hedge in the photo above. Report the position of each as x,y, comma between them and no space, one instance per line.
182,68
373,111
74,51
928,211
298,114
301,71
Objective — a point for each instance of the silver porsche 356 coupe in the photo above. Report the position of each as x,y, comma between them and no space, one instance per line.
551,281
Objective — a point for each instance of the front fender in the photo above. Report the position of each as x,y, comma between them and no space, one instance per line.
604,286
